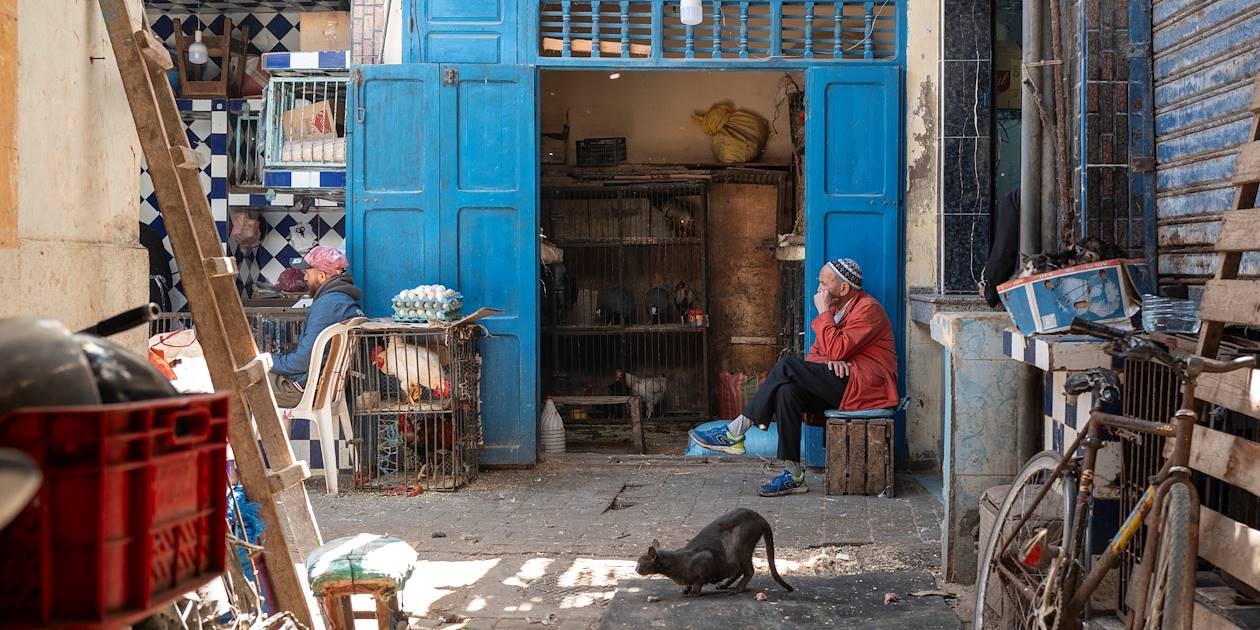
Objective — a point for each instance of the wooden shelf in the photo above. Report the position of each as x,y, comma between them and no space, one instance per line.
619,330
632,241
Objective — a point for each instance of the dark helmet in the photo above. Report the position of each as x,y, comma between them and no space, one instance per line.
44,364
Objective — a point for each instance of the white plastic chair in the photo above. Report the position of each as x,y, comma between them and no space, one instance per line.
324,397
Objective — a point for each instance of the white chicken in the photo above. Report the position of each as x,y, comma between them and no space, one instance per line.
649,389
415,367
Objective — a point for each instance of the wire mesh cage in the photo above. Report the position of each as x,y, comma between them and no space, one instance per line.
415,398
305,118
245,169
368,20
624,313
275,330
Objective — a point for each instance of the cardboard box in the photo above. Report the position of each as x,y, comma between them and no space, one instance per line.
1107,292
324,30
310,122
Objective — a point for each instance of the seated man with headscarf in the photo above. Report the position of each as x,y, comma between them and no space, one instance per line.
852,365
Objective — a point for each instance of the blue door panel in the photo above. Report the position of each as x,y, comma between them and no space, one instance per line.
853,186
392,237
461,31
460,10
489,205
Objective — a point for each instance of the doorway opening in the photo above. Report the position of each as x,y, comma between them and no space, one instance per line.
672,271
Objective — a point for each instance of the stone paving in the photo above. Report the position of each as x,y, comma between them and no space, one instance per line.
546,547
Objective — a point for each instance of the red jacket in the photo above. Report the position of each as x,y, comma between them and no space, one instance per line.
864,338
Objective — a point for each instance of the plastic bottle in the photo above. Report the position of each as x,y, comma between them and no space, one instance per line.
551,436
1170,315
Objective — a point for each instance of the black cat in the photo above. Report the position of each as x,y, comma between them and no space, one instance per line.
721,552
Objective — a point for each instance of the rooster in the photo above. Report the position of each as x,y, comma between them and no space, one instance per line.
649,389
414,367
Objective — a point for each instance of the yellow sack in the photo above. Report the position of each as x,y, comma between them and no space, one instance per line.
738,135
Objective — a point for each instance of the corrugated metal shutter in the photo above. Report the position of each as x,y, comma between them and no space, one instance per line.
1207,54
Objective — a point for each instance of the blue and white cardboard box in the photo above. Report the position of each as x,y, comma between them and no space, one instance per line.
1108,292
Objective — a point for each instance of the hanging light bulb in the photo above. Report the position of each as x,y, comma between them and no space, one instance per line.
197,51
691,12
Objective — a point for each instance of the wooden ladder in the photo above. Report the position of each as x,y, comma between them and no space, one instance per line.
209,283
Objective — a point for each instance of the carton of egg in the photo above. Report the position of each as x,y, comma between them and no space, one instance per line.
426,303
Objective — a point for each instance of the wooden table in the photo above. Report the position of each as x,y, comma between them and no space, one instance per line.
636,422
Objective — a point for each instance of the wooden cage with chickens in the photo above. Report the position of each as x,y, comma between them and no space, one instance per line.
415,398
624,311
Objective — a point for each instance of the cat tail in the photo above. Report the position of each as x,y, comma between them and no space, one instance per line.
774,572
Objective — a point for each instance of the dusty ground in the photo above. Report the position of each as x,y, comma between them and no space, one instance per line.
548,546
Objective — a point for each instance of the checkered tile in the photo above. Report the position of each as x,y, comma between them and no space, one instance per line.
266,262
247,5
268,32
206,123
306,447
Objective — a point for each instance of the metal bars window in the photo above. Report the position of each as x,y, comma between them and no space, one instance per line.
306,122
732,30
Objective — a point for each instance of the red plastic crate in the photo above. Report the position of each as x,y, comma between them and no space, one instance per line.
131,514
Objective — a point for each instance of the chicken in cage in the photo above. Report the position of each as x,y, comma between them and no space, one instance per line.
414,393
623,306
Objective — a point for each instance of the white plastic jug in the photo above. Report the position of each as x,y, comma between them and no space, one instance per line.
551,437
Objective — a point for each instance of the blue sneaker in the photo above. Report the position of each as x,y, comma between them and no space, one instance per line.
782,485
717,439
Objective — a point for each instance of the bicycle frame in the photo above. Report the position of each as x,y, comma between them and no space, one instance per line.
1174,470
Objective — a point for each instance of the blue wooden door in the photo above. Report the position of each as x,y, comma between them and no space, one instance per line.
853,186
489,221
443,188
392,236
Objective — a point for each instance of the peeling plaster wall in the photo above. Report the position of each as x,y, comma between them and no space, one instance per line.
77,258
925,383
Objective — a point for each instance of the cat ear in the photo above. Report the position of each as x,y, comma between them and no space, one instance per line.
651,553
656,543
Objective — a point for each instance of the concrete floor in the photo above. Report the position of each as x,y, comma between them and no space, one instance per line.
550,546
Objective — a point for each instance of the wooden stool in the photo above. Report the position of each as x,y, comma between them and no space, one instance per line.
860,451
636,423
365,564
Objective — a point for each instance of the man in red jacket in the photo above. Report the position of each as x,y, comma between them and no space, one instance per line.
852,365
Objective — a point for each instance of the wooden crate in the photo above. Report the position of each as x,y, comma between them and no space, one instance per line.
860,457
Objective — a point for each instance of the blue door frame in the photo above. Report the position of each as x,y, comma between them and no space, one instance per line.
444,178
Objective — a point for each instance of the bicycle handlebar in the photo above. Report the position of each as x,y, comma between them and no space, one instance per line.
1218,367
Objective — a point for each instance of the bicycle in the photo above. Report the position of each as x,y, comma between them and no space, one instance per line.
1034,574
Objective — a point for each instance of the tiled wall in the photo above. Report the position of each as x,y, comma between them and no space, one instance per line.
966,142
207,134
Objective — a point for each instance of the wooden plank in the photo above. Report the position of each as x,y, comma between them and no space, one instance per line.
636,426
1231,302
186,158
8,124
605,47
857,457
1255,96
1230,545
1237,391
1219,608
837,457
1229,458
1240,232
1247,166
876,456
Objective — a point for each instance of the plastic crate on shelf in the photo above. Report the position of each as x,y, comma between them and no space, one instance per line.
601,151
131,514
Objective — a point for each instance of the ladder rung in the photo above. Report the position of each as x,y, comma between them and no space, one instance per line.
154,51
285,478
1247,167
186,158
220,267
1255,98
253,372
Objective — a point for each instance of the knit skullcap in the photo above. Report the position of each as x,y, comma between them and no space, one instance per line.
848,270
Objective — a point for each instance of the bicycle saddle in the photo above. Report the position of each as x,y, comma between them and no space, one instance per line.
1103,382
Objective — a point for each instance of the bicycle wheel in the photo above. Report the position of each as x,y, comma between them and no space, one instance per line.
1029,601
1172,582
